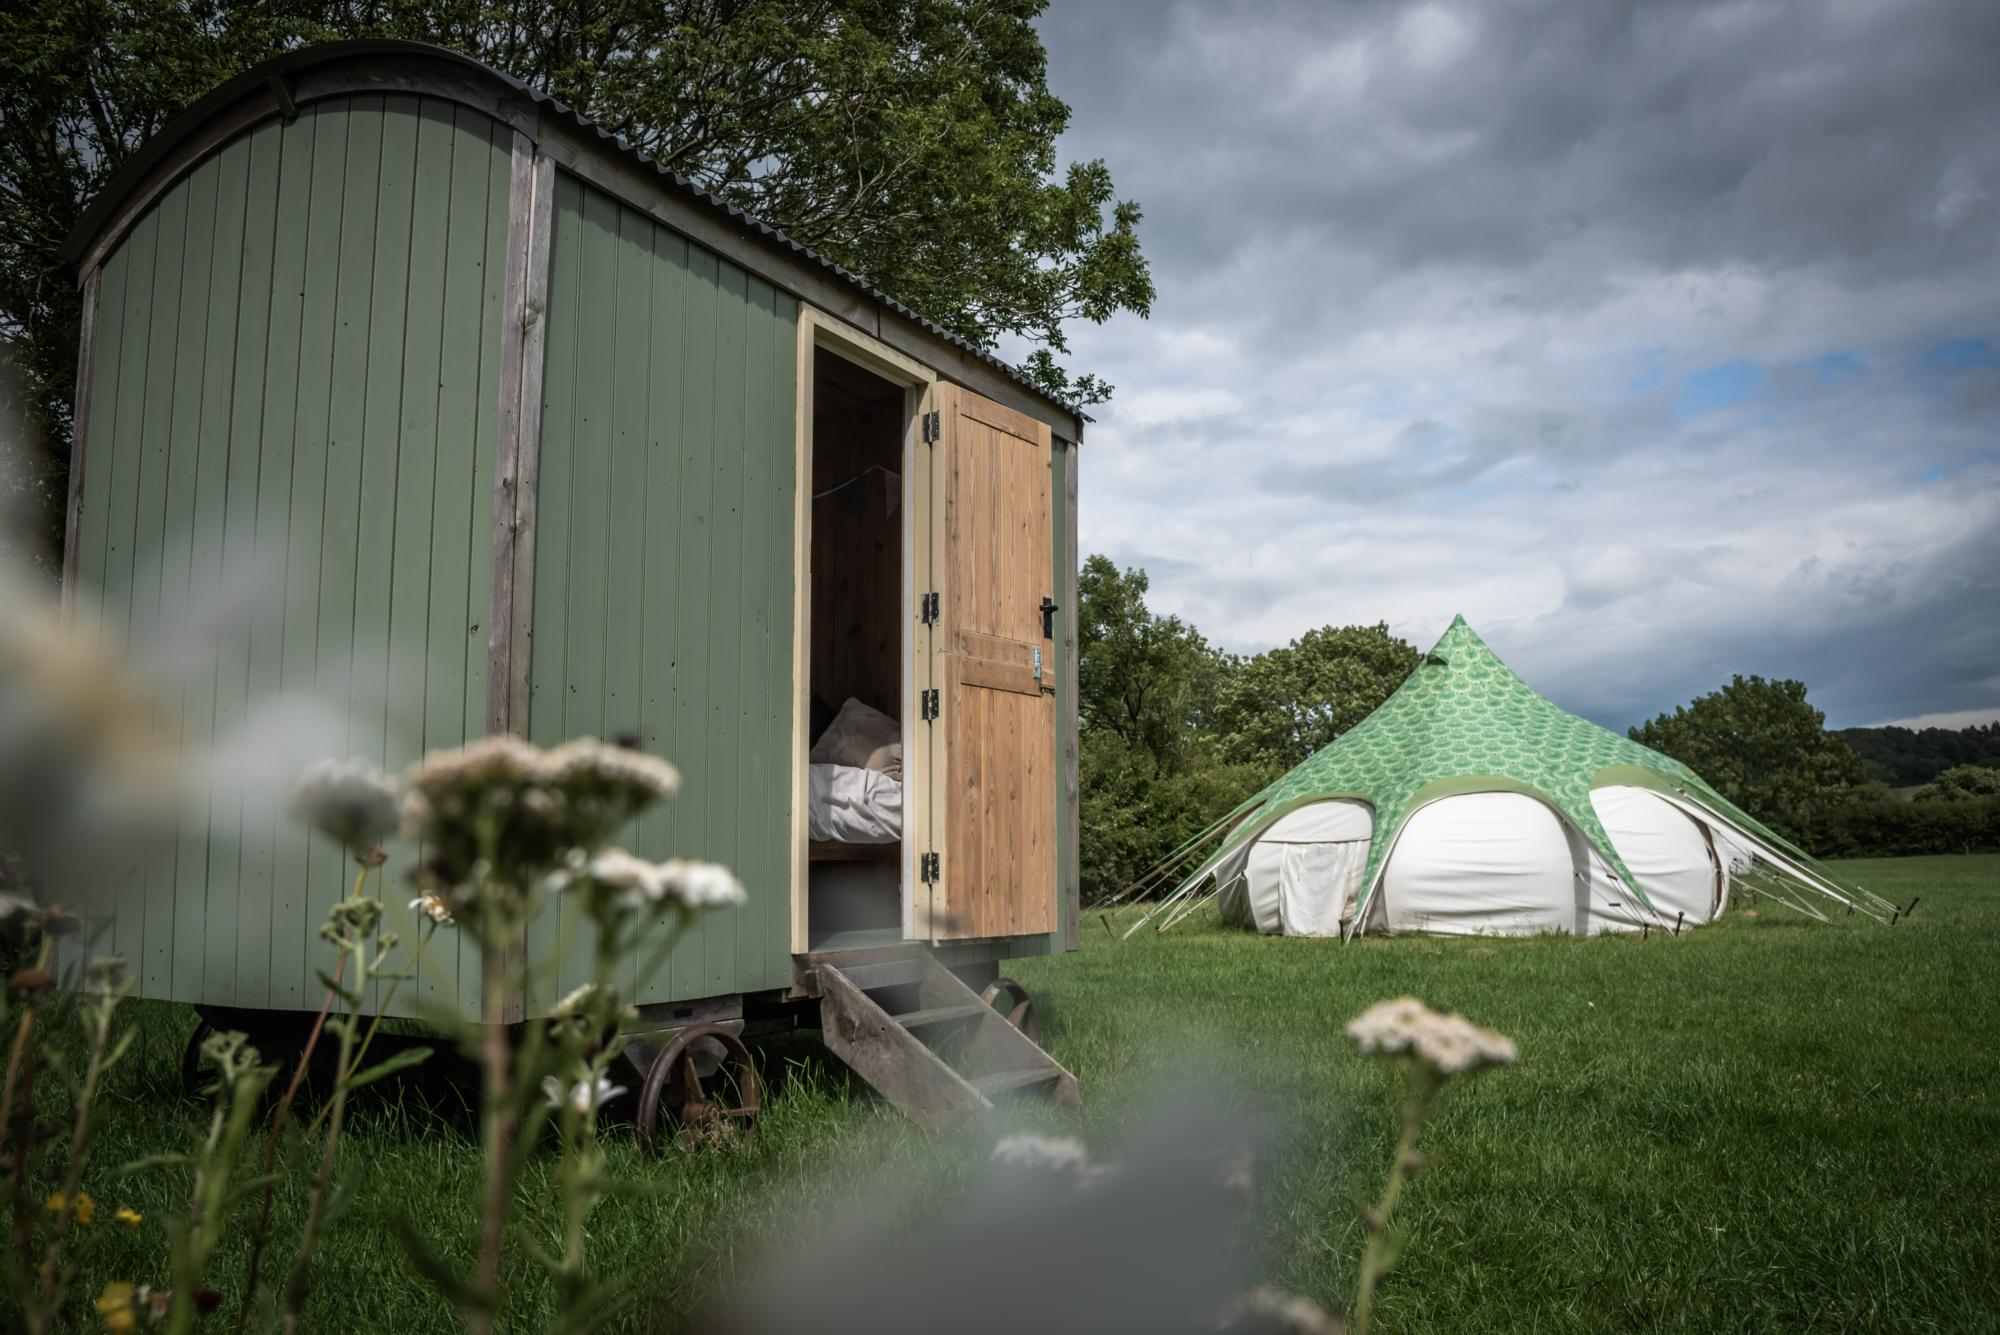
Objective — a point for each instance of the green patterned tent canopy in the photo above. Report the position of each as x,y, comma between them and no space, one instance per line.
1464,723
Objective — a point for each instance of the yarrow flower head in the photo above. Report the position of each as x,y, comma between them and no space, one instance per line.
1443,1044
578,1000
583,1097
1270,1312
502,819
347,800
636,883
603,786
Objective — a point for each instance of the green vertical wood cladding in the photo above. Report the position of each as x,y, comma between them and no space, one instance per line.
296,383
663,566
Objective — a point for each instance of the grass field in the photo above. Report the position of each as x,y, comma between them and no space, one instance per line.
1770,1123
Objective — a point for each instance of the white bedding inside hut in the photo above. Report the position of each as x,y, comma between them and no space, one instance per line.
855,784
848,804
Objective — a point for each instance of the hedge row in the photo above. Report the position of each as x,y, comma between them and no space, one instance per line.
1864,828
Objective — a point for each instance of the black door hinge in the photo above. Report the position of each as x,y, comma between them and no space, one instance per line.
927,608
927,868
933,427
927,705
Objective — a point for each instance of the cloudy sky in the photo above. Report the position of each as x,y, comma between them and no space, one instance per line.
1662,340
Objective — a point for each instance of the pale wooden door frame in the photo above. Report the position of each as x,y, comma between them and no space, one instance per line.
817,329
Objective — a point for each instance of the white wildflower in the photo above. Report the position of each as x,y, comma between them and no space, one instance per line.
1445,1044
1273,1313
347,800
1045,1154
638,883
575,1001
701,885
432,907
584,1097
633,878
449,782
590,763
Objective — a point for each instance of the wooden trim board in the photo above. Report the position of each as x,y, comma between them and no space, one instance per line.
819,329
79,432
1067,740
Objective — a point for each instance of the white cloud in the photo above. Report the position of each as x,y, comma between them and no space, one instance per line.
1957,718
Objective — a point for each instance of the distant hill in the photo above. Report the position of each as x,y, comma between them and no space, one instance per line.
1901,757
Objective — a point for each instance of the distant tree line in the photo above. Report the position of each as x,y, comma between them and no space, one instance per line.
1761,745
1175,732
1901,757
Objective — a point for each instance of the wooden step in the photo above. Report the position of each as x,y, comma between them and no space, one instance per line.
881,973
1000,1082
889,1052
936,1015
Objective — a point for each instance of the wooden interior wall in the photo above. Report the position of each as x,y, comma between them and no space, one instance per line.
663,584
857,552
295,383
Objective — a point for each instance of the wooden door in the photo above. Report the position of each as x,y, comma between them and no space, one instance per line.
991,659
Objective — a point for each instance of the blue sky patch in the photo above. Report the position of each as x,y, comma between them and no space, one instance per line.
1724,385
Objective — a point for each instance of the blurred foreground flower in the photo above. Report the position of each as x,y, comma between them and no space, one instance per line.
432,908
114,1305
1149,1238
1043,1154
1435,1047
636,883
349,801
583,1097
1446,1044
80,1206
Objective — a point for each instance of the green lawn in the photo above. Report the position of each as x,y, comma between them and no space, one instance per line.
1768,1123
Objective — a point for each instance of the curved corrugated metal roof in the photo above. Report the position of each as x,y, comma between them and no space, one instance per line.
135,170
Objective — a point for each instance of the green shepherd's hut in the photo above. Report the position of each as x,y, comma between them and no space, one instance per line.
478,388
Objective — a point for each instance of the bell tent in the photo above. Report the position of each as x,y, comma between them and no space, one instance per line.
1467,803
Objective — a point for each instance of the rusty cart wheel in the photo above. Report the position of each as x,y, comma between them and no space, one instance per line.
193,1077
1020,1011
706,1084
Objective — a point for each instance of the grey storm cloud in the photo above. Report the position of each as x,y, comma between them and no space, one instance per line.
1662,340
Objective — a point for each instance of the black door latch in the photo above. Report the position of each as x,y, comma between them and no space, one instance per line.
1048,617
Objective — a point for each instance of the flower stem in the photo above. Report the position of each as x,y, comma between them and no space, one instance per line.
497,1137
51,1286
21,1124
1375,1259
354,948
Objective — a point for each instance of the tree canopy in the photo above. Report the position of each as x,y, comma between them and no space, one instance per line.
911,141
1762,746
1282,705
1175,732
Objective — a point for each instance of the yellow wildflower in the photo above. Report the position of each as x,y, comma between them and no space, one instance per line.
125,1214
82,1207
115,1306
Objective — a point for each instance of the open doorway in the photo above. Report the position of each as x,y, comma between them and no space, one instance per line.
856,807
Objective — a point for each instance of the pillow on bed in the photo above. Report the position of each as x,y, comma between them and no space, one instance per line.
862,737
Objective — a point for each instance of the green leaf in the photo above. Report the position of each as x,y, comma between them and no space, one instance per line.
403,1060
